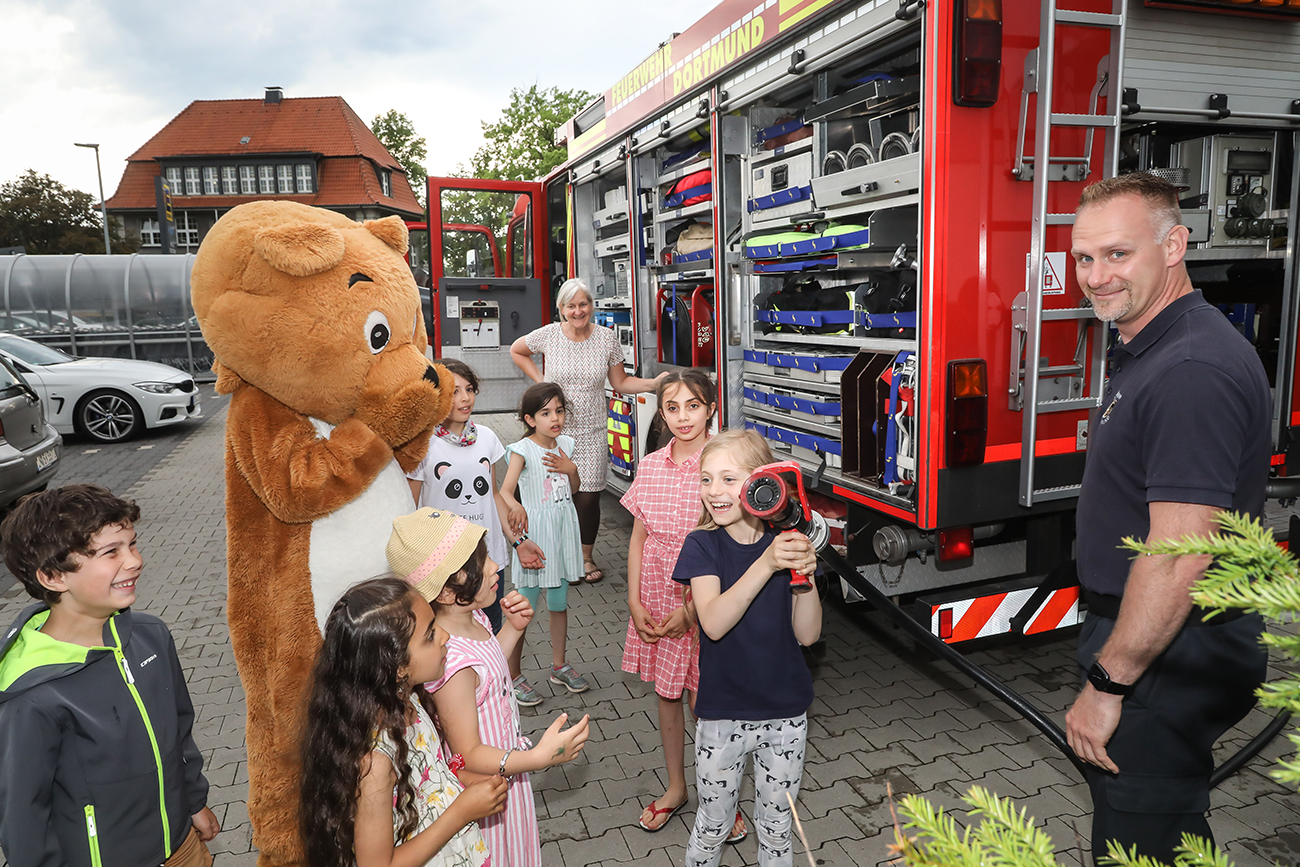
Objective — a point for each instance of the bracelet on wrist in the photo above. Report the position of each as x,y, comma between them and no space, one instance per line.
457,764
501,769
523,537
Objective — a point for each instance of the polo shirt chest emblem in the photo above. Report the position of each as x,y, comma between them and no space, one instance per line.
1105,416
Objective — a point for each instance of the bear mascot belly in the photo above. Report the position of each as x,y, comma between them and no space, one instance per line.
318,337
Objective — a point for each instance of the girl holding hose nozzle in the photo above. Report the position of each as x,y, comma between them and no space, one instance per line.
755,688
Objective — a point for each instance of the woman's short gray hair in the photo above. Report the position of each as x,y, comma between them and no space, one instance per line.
568,289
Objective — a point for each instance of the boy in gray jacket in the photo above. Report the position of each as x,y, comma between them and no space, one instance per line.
97,762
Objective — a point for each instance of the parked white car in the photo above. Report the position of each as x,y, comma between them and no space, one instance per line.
106,399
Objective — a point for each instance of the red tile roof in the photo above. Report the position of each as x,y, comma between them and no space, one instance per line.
324,125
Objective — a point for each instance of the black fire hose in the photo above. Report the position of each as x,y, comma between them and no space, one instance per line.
901,618
1010,697
1249,751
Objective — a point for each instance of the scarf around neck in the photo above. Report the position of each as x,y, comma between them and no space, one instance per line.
467,437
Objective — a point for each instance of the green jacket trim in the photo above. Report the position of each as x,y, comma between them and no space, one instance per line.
153,739
33,649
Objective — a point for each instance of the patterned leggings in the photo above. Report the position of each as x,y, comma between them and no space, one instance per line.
721,749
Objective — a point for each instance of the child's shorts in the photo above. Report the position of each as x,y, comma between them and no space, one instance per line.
192,852
557,598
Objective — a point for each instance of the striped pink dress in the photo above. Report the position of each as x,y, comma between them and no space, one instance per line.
511,835
666,497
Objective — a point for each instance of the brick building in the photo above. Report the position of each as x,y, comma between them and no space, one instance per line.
224,152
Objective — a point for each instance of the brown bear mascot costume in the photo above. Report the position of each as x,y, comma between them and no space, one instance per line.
316,326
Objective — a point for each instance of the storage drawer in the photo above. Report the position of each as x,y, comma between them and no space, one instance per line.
798,444
610,217
809,366
872,182
619,245
817,408
781,188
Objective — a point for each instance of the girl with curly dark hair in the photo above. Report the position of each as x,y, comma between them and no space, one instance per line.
375,788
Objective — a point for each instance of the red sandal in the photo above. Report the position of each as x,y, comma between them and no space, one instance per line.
735,837
659,811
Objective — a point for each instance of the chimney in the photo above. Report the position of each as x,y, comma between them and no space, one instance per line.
274,95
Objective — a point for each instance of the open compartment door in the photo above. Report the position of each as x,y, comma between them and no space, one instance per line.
489,283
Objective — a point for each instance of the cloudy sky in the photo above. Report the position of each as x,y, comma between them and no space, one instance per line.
116,71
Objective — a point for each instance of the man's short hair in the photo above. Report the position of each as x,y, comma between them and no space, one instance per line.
1161,198
45,529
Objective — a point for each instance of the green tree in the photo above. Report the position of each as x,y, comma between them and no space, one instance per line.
518,145
41,215
1250,572
396,132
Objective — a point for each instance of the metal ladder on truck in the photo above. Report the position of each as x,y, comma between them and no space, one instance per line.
1028,314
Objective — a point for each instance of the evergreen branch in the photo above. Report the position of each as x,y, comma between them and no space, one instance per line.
1191,852
1250,571
1011,838
945,847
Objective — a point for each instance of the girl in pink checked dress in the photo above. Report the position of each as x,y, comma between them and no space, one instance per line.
661,643
475,697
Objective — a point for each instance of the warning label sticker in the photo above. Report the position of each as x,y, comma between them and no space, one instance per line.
1053,273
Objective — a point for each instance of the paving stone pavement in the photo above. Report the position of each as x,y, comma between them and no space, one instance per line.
887,714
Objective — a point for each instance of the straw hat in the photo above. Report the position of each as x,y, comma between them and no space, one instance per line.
428,546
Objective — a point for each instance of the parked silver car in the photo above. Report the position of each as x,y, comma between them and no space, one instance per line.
30,448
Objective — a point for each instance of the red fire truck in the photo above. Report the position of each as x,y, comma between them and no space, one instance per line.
857,215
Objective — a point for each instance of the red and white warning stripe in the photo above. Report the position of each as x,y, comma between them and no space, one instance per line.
983,616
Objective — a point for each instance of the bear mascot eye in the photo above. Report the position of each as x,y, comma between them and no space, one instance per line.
377,332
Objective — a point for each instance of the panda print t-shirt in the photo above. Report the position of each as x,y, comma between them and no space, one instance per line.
459,479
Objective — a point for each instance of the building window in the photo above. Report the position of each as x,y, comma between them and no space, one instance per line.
191,180
386,182
266,179
210,185
173,176
149,235
304,178
247,180
187,230
286,178
229,181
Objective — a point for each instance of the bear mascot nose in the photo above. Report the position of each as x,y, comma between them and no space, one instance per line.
431,375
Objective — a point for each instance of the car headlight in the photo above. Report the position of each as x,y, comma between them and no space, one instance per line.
158,387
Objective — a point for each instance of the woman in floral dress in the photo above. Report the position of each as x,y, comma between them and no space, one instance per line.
581,356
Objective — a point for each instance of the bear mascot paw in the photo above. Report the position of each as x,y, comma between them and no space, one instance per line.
317,332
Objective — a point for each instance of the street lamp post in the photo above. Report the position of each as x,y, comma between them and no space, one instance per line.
103,206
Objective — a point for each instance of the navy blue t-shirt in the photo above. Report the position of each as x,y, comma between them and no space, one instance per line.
1185,419
757,670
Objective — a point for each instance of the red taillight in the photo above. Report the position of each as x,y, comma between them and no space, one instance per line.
956,543
967,426
945,623
977,52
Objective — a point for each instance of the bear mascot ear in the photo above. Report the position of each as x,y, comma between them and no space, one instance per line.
300,249
392,231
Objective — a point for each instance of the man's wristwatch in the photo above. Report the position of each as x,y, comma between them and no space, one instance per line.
1100,680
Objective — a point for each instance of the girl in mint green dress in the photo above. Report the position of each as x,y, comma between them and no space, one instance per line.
538,489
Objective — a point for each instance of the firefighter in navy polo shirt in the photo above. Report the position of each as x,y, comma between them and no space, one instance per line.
1181,434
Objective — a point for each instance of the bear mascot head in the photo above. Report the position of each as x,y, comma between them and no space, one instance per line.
318,336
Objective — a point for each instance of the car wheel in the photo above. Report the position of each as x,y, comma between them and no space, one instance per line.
108,416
